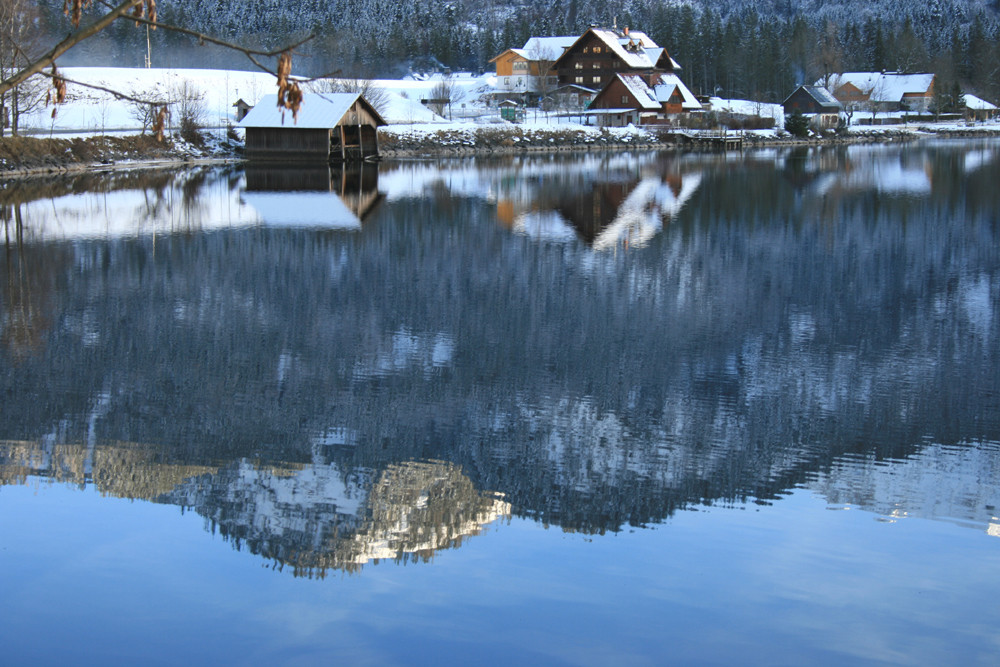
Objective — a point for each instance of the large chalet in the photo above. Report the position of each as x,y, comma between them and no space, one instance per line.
599,54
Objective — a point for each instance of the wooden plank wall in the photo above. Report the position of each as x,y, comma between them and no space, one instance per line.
288,144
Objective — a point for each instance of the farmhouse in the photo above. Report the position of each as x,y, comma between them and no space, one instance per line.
631,98
528,71
329,127
883,91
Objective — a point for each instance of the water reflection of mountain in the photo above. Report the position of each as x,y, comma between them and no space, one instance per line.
765,335
311,517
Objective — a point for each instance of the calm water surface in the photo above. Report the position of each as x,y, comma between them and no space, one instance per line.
588,410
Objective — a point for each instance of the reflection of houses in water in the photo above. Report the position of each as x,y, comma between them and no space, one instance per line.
858,169
312,517
606,214
337,197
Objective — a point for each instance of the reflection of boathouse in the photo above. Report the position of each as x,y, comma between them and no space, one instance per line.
329,127
339,196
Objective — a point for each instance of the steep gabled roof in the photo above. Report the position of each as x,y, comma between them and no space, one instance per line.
319,111
652,98
666,84
821,95
643,94
636,50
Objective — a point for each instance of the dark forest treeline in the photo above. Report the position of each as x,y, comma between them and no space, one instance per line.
755,48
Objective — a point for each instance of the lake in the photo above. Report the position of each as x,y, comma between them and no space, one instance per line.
597,409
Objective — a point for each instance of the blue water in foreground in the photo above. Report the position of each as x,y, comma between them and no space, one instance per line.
580,410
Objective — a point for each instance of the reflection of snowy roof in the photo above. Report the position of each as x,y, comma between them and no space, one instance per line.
642,214
544,226
303,209
885,86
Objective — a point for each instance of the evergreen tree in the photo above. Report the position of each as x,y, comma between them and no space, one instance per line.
797,124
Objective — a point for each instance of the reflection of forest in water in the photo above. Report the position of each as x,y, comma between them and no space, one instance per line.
785,314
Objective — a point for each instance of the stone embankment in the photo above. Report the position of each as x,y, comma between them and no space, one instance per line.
517,140
21,156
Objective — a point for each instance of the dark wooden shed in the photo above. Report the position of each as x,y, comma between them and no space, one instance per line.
330,127
812,100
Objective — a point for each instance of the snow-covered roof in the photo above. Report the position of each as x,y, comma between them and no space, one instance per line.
822,95
978,104
884,86
643,94
671,81
652,98
319,111
546,48
633,48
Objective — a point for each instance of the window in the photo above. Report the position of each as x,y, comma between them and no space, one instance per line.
597,49
596,79
586,50
596,65
579,65
579,79
624,99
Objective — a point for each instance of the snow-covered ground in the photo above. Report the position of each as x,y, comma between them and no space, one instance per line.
89,111
93,111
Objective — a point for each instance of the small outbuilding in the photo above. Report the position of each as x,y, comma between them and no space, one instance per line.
330,127
242,109
817,102
978,109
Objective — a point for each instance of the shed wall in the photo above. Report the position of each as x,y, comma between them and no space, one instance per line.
288,144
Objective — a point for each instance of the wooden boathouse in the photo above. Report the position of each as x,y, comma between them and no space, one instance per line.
331,127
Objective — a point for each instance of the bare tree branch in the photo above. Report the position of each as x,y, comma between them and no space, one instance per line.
251,54
65,45
117,94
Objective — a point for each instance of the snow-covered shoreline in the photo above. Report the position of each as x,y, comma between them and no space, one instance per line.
97,118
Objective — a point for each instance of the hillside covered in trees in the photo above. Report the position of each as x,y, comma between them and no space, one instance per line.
744,48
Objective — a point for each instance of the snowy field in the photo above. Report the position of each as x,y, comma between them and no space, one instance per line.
95,111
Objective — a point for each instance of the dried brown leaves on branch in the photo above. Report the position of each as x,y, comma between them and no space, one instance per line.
289,93
160,115
142,9
57,93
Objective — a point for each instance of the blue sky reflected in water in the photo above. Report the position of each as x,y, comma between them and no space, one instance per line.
790,583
